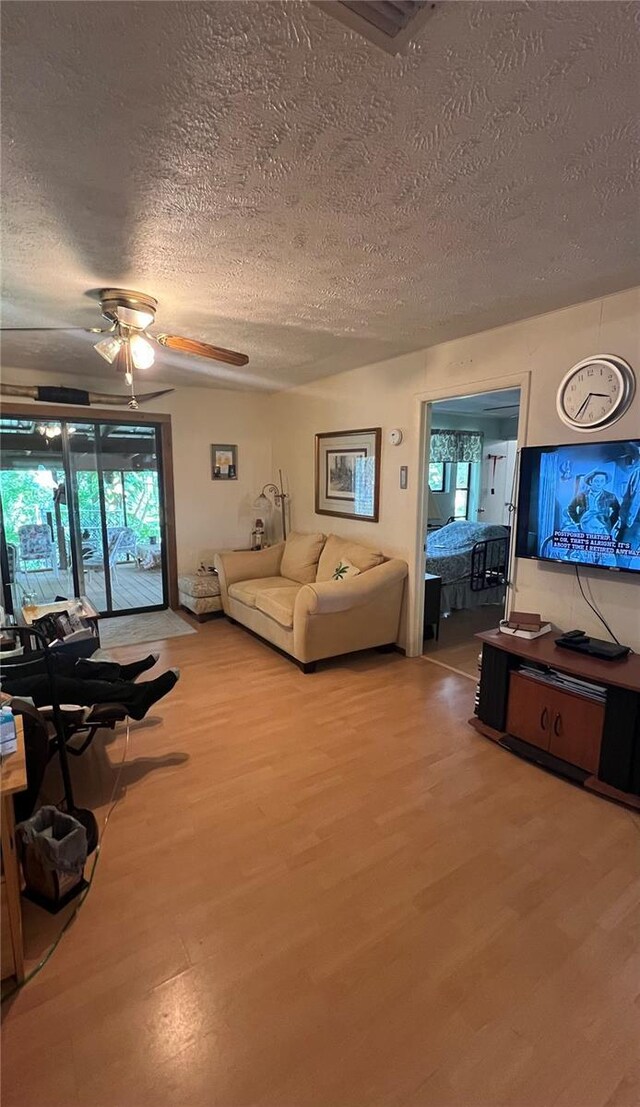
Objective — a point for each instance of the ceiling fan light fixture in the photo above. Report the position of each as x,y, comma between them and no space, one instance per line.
49,430
109,347
135,317
142,352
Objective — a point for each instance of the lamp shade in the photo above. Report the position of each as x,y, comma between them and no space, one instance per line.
262,503
142,352
109,347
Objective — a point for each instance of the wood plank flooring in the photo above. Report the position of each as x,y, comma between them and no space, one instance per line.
329,891
457,645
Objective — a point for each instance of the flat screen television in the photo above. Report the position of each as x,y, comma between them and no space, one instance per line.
580,504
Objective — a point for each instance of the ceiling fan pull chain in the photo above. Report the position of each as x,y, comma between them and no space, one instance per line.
128,375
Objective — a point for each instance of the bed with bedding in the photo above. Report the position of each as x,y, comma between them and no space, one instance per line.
471,559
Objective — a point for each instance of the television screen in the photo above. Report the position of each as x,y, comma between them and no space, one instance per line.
580,504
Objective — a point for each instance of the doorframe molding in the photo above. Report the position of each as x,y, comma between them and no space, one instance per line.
422,426
73,413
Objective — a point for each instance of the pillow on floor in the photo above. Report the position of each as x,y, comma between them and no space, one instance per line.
300,557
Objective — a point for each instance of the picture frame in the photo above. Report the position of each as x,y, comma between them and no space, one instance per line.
224,462
347,474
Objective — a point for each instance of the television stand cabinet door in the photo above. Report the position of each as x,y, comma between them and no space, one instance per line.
528,713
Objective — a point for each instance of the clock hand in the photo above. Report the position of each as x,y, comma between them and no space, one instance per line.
582,406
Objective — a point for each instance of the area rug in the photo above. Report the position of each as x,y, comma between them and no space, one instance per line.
129,630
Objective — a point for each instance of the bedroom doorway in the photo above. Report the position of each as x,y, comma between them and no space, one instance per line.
471,459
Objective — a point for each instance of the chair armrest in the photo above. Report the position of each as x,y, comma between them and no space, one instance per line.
67,710
104,713
328,596
249,564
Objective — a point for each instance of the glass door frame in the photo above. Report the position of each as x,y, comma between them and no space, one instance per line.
68,413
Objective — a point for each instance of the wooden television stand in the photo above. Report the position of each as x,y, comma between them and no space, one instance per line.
593,744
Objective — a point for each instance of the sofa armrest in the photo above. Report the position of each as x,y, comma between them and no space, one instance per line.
248,565
328,596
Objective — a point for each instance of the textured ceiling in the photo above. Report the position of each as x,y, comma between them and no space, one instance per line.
285,188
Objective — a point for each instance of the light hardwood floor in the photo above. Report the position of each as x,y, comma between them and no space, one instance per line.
328,891
457,645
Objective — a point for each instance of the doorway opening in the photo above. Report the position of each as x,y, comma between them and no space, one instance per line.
471,453
82,513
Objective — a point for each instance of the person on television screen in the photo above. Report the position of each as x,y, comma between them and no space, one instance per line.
596,509
627,528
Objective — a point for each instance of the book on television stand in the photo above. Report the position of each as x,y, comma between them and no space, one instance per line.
524,624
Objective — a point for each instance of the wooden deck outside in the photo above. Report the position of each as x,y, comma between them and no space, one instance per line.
130,586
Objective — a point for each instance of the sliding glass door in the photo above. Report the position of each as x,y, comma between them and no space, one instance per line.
82,513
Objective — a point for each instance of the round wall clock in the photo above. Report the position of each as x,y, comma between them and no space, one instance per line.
595,392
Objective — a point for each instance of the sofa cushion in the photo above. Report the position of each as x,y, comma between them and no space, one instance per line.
338,549
300,557
278,603
247,590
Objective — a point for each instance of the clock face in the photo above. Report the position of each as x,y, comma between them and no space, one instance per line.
596,392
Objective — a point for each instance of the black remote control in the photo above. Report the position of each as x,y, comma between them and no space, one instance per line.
575,634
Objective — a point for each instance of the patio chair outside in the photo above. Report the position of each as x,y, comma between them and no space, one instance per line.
35,544
121,540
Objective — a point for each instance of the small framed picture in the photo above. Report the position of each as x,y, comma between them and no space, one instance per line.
224,462
348,473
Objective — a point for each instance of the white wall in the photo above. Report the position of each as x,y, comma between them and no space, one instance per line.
210,514
389,393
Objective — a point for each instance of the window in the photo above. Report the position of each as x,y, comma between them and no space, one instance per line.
463,481
436,476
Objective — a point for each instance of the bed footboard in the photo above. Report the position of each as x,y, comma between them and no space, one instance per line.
489,564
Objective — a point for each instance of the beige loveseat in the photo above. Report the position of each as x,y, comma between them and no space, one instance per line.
314,596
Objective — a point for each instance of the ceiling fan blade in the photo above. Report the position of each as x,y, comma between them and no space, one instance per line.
201,349
43,328
60,395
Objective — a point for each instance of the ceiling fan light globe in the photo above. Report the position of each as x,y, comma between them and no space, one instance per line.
142,352
109,347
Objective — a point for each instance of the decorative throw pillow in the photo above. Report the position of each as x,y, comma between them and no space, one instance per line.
345,569
339,549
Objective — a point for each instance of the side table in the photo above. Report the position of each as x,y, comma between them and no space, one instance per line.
75,606
432,594
13,776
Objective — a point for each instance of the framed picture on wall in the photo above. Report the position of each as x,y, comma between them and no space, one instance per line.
348,474
224,462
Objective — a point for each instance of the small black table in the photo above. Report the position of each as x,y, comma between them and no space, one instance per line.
432,594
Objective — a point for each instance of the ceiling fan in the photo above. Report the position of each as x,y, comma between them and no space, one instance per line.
129,345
